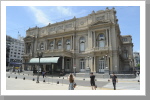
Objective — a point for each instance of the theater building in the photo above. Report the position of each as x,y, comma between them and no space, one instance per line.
92,42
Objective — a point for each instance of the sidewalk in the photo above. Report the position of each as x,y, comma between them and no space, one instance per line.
20,84
29,84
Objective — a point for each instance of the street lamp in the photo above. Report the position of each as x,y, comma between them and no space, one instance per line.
74,70
88,58
39,54
106,67
87,68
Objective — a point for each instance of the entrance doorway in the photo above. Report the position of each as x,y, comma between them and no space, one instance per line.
101,66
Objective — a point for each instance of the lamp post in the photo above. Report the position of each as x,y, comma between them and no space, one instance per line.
39,54
88,58
74,70
106,67
87,68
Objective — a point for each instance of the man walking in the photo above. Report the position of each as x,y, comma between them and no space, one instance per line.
92,81
43,73
114,80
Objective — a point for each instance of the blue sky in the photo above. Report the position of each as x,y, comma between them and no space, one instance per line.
20,18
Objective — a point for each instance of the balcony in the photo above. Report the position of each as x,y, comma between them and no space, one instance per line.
56,50
100,48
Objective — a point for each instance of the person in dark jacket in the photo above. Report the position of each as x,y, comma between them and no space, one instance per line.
114,80
92,77
43,73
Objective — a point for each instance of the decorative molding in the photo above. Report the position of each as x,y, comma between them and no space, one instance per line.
100,18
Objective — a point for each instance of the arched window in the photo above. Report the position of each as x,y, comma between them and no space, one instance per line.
59,44
68,44
51,45
101,40
42,46
82,44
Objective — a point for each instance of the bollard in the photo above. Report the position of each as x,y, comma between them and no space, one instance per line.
28,74
8,76
95,80
16,77
24,78
108,80
23,74
33,79
63,77
43,80
138,80
57,82
83,79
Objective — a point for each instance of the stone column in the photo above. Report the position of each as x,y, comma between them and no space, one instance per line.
109,37
73,43
63,62
54,44
45,45
73,61
110,63
94,40
62,42
106,38
94,69
71,65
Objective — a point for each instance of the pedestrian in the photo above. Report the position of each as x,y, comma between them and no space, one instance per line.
92,77
135,73
138,73
114,80
43,73
71,81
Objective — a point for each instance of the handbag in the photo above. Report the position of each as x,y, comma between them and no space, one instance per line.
74,85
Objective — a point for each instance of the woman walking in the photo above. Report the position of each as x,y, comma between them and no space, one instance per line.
71,80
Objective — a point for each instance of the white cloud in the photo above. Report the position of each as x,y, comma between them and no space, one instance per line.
65,11
69,12
40,16
54,14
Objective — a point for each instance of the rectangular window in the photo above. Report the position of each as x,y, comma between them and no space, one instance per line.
82,47
68,47
59,47
101,43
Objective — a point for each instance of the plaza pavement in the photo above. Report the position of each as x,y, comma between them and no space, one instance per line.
28,84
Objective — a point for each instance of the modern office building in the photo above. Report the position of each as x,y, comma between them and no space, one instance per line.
8,44
93,41
16,50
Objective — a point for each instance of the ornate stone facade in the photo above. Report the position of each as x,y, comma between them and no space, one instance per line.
93,41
